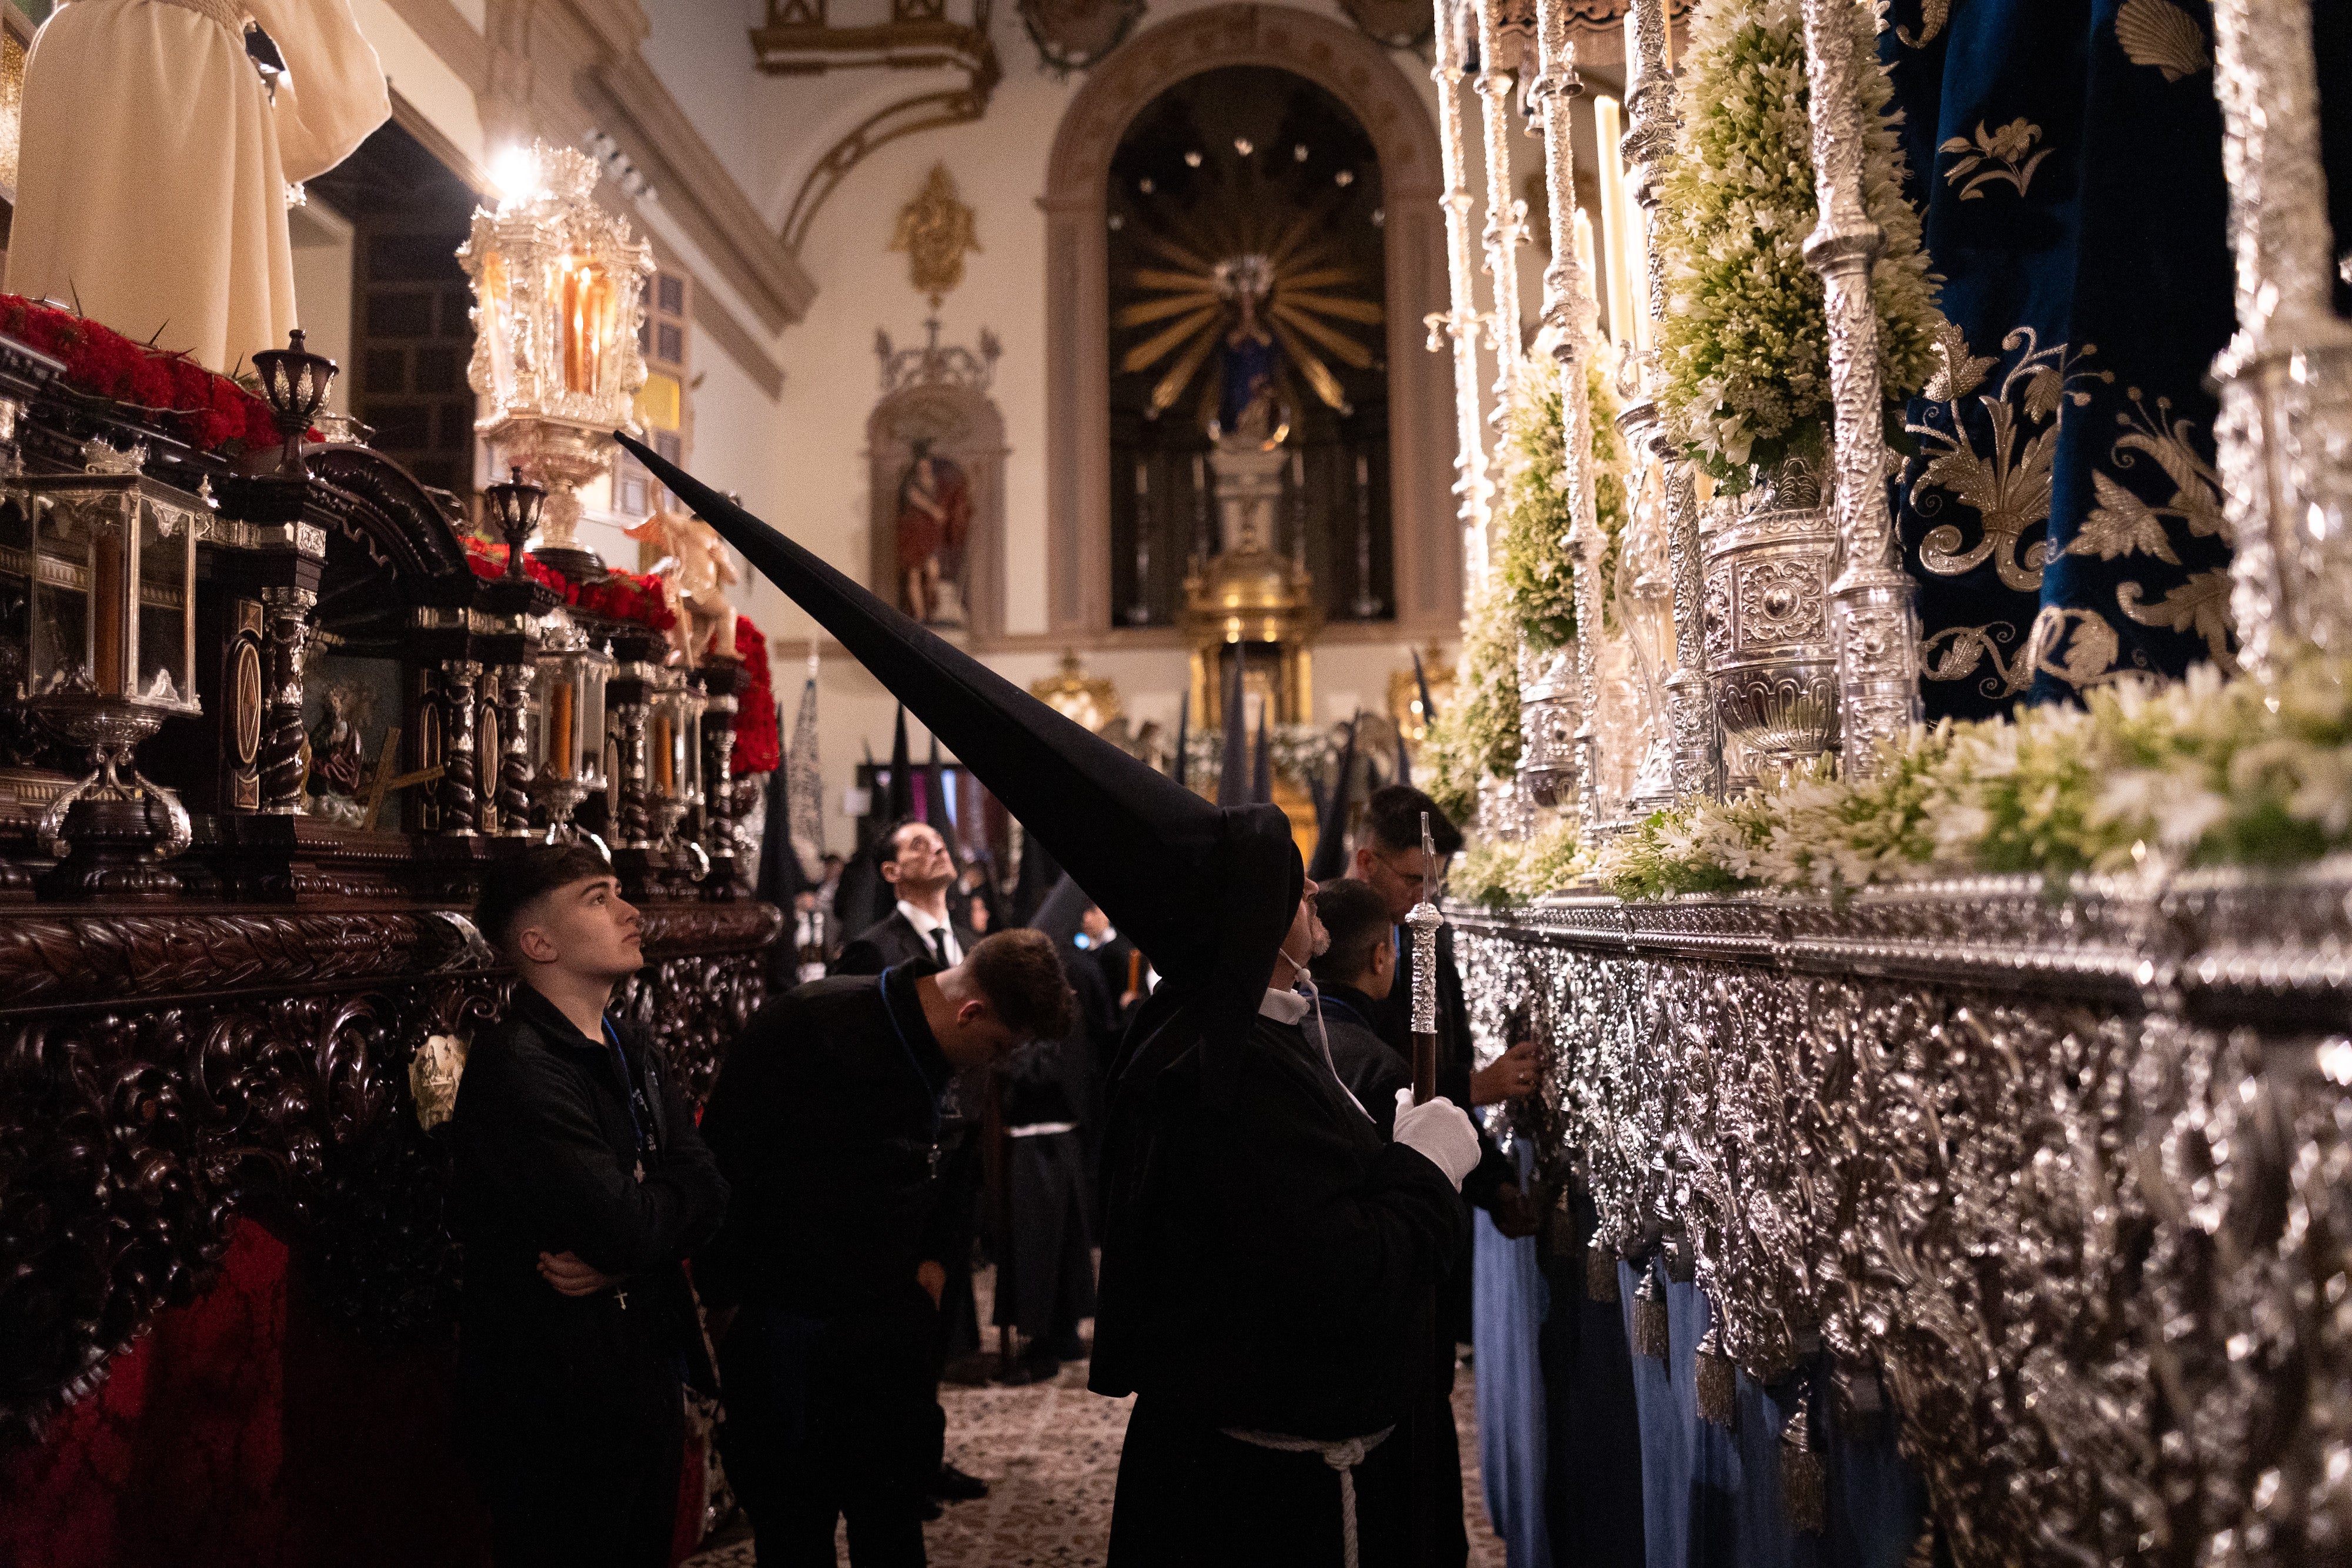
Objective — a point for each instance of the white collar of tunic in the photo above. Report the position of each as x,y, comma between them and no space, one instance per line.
1283,1006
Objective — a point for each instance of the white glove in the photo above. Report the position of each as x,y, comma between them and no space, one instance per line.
1440,1132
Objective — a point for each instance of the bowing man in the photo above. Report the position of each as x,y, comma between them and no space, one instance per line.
826,1280
1269,1262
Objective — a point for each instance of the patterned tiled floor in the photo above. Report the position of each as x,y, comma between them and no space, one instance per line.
1050,1455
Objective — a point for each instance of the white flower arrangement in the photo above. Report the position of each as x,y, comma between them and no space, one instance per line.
1743,347
2147,773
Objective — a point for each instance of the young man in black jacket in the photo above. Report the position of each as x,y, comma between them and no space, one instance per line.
579,1186
827,1278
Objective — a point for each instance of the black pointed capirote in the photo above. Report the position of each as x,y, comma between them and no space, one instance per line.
1233,766
1330,858
900,801
1207,893
1262,762
1184,734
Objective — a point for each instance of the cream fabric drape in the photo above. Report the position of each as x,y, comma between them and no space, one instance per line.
152,187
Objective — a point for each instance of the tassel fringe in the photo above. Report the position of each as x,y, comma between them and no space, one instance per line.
1713,1376
1649,1317
1600,1274
1804,1481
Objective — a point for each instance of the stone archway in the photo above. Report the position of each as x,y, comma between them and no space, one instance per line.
1360,74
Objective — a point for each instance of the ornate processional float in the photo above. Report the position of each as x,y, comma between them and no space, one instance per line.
1979,1092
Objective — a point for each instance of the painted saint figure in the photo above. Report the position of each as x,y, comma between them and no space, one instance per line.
934,516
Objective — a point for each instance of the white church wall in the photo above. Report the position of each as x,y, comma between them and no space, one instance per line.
800,459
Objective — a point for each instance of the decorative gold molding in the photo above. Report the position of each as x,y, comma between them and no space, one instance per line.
935,232
797,41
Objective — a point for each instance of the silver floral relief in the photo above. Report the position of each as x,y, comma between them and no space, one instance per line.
2072,1178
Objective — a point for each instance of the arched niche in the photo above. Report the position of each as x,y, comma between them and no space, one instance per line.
1364,77
959,422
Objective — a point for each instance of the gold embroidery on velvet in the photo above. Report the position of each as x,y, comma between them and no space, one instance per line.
1933,14
2000,157
2200,605
2007,485
2160,34
2123,524
2075,645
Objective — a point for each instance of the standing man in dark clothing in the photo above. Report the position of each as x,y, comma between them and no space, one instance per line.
578,1187
1269,1263
1353,977
828,1271
914,862
1390,862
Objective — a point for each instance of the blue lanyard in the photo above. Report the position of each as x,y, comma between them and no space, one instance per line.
628,1088
930,1097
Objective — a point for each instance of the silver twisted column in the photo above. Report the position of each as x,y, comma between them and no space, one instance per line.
1460,321
1570,313
1696,756
1497,60
2284,433
1874,604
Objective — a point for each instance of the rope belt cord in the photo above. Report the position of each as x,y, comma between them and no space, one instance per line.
1343,1457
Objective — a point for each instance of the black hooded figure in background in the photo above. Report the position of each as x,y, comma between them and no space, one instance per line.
1269,1263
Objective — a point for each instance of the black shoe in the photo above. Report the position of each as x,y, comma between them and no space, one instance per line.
951,1485
927,1509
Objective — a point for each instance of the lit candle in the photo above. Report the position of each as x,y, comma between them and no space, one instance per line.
1143,479
665,779
106,602
558,727
1609,130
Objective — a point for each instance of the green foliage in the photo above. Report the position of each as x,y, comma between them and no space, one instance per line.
1477,735
1532,514
1498,873
1744,345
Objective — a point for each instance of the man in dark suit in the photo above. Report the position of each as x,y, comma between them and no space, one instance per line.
828,1115
579,1186
915,864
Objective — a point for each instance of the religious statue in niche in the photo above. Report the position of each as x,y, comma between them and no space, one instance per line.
1249,282
1248,358
934,520
338,752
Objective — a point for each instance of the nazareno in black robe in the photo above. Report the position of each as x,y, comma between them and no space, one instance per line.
1270,1265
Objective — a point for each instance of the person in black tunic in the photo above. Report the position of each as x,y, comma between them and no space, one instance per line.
825,1280
1269,1263
579,1186
1052,1094
1353,977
